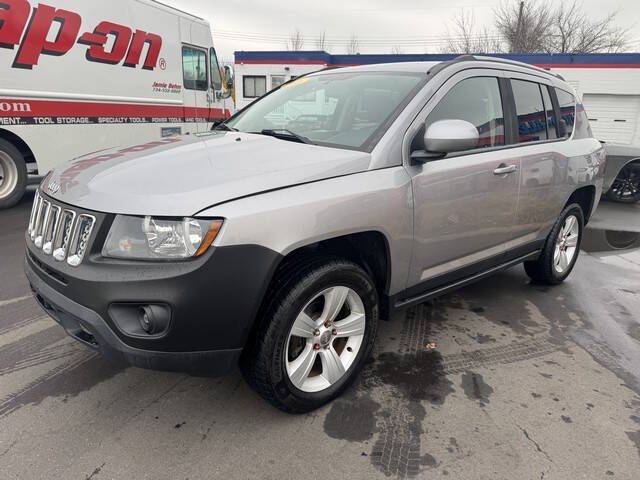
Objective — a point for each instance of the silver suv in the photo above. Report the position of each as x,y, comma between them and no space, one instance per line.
280,239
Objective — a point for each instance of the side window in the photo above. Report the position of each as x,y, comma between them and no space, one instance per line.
532,124
478,101
194,66
276,81
552,121
567,111
216,78
254,86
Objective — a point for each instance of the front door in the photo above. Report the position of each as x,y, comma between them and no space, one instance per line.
464,203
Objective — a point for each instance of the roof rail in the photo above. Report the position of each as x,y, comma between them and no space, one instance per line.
482,58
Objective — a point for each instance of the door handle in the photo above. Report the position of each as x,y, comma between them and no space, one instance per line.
504,169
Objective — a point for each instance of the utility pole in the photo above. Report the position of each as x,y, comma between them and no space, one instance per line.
518,40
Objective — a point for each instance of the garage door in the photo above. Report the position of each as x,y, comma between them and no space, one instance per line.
613,118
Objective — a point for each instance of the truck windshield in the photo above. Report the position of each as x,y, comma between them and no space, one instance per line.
332,109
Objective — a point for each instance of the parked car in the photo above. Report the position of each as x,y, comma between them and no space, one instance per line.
622,173
281,248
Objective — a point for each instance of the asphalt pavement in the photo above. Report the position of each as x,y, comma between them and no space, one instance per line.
501,380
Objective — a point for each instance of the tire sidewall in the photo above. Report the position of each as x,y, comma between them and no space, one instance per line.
21,167
347,275
576,211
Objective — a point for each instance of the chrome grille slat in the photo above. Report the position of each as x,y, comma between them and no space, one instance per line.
34,209
81,234
38,211
63,237
42,220
50,229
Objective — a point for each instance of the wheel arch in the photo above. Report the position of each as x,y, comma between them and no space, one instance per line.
19,143
585,197
369,249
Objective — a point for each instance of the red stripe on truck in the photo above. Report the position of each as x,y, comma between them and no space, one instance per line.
33,108
44,112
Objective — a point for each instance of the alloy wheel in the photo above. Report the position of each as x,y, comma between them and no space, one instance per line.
566,245
325,339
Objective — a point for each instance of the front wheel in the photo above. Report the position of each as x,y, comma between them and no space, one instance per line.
561,248
314,337
13,175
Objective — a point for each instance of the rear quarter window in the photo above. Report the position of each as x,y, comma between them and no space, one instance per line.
567,104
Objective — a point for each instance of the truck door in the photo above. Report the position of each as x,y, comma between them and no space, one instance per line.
197,86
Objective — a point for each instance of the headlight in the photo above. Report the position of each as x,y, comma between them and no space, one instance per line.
149,238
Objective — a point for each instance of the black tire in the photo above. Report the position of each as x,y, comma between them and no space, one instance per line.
542,270
263,363
9,153
626,186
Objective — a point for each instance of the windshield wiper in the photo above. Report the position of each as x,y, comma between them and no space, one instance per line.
285,134
224,126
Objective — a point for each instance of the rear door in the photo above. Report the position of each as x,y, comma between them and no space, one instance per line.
464,207
543,175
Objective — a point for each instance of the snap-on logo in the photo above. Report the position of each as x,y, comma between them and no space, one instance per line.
46,30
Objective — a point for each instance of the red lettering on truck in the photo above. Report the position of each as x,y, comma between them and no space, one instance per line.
37,26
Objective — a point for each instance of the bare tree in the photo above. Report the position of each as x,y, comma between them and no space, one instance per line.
353,47
466,38
573,32
321,42
533,26
296,41
524,25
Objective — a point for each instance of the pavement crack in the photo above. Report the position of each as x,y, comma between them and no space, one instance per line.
95,472
8,448
537,445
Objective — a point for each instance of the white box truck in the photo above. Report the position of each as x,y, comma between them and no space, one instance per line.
80,76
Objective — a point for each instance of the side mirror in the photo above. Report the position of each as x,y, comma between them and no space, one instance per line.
228,79
446,136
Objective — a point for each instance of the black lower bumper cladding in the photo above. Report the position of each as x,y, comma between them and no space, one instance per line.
213,306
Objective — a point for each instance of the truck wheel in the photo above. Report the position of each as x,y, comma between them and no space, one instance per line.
13,175
561,248
314,336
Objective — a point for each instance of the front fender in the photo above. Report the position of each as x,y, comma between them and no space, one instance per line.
289,218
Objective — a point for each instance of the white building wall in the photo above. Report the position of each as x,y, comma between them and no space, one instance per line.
271,72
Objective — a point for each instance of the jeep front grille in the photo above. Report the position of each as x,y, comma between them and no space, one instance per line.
59,231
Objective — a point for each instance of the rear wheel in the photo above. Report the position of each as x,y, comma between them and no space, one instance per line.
13,175
314,337
561,248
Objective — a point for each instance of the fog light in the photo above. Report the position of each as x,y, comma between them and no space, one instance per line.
148,319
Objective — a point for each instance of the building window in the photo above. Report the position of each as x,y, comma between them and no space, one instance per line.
194,66
532,125
254,86
277,80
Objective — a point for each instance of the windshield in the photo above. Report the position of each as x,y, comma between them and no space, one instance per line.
333,109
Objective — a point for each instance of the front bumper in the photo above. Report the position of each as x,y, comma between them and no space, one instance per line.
213,302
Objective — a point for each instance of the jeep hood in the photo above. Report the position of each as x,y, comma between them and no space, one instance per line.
180,176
